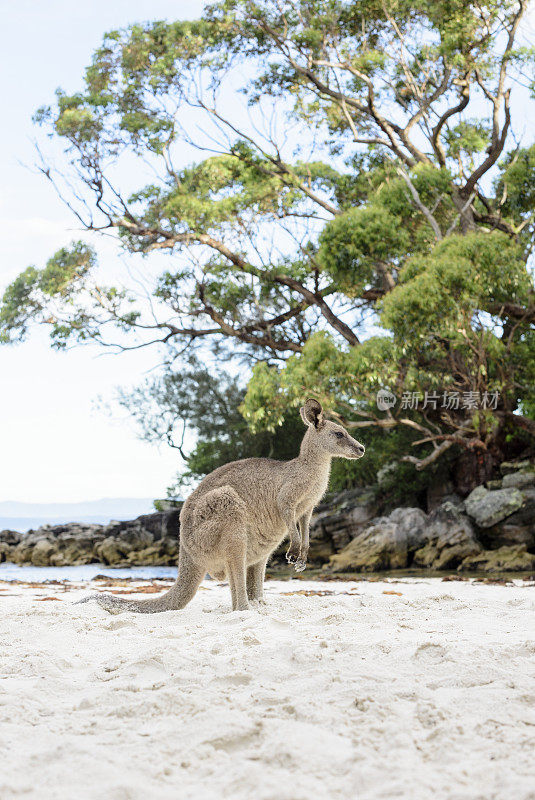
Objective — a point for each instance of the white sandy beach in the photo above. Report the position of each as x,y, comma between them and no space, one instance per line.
400,689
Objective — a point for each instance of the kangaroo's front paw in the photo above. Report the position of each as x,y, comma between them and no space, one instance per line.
292,555
300,565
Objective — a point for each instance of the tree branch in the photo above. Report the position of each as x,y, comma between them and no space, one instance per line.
435,133
317,299
421,463
313,298
418,202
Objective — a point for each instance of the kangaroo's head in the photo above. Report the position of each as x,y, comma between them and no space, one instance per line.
327,435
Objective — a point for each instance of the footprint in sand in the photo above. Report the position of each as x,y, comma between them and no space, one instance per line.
145,673
428,715
116,624
237,740
430,653
236,679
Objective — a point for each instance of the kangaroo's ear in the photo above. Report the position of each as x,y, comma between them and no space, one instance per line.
312,413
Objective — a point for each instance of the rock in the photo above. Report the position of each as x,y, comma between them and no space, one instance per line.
108,551
169,545
319,552
10,537
133,539
42,552
22,553
438,492
505,559
155,555
526,513
505,534
507,467
337,522
412,524
8,541
518,528
79,543
140,531
162,553
5,552
376,548
489,507
171,523
449,538
79,549
520,480
384,544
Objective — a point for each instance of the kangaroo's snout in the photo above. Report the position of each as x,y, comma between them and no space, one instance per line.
357,450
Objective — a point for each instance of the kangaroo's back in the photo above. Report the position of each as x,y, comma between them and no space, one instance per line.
254,479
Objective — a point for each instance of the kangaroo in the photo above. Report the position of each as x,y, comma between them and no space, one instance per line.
240,513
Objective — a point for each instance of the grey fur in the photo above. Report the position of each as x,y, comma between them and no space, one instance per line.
241,512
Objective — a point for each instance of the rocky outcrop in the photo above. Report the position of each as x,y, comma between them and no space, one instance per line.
339,521
151,539
517,528
449,539
492,531
520,480
408,537
384,544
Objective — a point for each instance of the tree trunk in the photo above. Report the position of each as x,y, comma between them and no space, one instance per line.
472,468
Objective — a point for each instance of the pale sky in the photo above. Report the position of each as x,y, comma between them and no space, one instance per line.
54,447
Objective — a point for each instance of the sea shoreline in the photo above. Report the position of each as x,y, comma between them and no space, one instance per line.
89,573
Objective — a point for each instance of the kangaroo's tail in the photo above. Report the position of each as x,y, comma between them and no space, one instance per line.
189,577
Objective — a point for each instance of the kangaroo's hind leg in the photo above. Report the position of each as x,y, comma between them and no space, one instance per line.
218,535
255,581
237,579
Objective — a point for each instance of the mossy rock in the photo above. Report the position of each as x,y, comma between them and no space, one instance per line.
505,559
487,508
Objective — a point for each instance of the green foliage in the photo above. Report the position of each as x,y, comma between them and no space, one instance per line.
28,297
516,184
354,243
467,138
439,292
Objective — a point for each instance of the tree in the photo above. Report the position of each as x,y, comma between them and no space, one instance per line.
386,193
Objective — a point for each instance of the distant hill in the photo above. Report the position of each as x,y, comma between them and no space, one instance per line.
21,517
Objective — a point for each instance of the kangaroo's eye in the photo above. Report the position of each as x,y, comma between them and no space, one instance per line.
339,434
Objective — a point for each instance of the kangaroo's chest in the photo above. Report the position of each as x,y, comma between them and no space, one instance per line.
313,491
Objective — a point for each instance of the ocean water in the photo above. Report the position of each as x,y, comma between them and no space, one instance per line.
85,572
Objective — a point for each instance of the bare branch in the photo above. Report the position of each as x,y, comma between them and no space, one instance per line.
460,214
421,463
418,202
318,300
435,133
